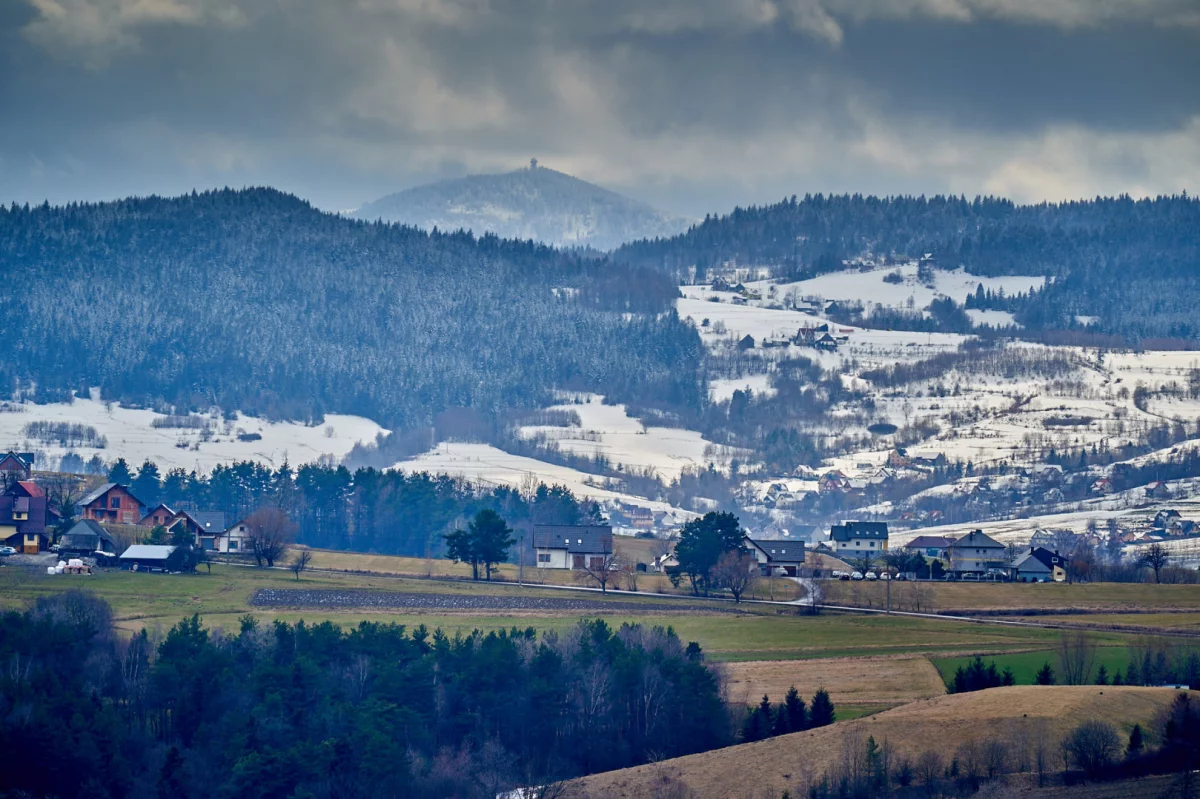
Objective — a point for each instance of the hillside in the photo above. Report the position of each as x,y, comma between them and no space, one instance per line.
255,301
1020,716
535,203
1147,248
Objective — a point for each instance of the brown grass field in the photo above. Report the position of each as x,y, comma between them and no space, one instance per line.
1022,716
861,681
968,597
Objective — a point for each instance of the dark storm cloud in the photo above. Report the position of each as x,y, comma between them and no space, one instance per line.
696,104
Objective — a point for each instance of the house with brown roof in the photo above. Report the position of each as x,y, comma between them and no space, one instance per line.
112,503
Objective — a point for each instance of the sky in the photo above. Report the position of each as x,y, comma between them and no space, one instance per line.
692,105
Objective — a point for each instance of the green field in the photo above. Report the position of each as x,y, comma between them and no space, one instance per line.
158,601
1026,664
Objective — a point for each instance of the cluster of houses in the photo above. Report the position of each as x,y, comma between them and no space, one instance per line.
27,521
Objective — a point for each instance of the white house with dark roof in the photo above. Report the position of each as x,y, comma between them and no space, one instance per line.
777,555
858,539
562,546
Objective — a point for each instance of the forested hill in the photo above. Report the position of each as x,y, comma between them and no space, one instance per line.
254,300
1135,264
536,203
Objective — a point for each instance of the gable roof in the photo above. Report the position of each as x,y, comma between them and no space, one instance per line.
1029,562
928,542
87,534
847,531
210,521
976,539
24,460
100,491
581,539
147,552
31,488
779,550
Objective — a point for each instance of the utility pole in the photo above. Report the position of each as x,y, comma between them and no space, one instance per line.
521,562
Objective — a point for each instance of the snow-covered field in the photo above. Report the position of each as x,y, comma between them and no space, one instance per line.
870,288
131,435
608,431
485,465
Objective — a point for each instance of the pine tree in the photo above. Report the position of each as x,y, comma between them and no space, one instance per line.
1045,675
1008,678
1135,741
822,712
119,473
1102,675
797,717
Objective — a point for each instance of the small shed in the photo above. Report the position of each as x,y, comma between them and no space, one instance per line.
146,557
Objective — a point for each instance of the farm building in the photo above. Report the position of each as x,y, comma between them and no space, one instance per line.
85,538
146,557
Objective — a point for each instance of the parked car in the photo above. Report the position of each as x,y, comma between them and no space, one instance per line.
971,576
884,576
871,576
856,575
6,551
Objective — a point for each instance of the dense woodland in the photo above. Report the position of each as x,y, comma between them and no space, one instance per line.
255,301
314,711
1135,264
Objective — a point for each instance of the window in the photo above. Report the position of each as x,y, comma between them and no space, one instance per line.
233,546
115,502
543,557
872,545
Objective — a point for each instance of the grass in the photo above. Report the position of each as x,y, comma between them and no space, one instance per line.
1026,664
1026,718
636,549
1113,597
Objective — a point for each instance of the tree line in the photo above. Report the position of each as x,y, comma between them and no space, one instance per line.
299,710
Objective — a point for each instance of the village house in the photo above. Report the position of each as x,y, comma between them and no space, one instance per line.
158,517
930,547
1039,565
834,482
15,466
777,557
561,546
235,539
24,517
111,503
856,539
87,537
976,553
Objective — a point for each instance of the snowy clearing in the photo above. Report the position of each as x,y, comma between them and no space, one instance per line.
608,431
132,436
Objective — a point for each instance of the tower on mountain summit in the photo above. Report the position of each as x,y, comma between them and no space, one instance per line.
532,164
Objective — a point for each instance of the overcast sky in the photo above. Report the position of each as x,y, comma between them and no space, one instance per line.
694,105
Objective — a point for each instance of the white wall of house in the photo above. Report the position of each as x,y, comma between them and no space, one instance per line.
857,547
552,558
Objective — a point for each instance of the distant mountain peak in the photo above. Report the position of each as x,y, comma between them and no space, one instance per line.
536,203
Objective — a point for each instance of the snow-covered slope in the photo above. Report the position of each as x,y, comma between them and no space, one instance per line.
131,435
535,203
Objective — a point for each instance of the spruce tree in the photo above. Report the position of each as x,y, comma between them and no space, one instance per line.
822,712
1045,675
797,717
1135,741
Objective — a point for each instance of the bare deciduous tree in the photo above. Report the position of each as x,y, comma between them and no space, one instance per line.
601,569
1076,654
736,572
1156,556
301,561
270,535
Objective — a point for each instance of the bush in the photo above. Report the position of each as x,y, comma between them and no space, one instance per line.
1093,746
